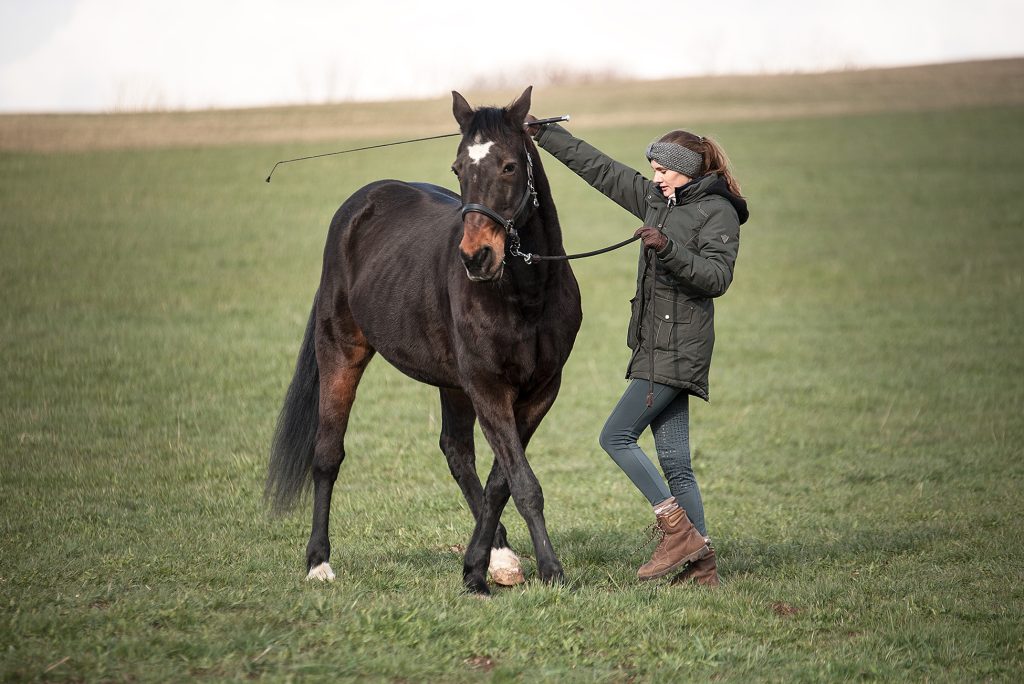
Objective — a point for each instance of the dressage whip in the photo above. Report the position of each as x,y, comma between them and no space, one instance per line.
538,122
530,258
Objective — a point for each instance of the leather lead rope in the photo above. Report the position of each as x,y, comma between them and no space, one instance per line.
650,342
581,255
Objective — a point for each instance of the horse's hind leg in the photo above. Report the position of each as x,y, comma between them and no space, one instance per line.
342,354
457,419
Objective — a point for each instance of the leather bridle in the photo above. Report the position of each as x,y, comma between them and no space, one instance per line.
526,206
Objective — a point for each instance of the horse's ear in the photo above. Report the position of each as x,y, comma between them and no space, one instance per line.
521,107
462,111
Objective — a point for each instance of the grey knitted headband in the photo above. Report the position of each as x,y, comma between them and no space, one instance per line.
676,157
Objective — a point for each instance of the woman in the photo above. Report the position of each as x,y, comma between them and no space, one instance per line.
691,213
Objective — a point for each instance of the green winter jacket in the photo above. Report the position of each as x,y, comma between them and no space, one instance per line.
677,314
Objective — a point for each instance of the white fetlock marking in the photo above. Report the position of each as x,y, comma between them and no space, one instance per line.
321,572
505,568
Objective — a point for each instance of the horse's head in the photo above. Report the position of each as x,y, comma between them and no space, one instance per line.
495,181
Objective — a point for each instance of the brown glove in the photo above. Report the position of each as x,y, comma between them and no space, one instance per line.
652,238
532,131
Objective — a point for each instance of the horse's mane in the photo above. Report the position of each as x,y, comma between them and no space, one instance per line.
489,122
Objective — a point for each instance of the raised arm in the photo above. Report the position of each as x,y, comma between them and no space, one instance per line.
623,185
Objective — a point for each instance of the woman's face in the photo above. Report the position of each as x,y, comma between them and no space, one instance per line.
668,180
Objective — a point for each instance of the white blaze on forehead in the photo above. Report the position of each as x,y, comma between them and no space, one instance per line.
479,151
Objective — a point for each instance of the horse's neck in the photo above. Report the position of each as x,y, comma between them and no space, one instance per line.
541,235
535,284
545,232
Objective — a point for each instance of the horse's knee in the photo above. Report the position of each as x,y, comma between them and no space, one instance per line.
528,495
531,502
458,452
327,458
446,444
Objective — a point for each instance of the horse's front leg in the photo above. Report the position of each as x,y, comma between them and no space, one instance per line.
457,420
478,552
498,420
530,410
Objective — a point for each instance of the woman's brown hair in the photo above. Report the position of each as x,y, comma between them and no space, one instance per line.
715,159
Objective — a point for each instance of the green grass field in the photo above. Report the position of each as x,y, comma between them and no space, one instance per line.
861,459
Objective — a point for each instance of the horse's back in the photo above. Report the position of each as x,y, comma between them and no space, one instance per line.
407,205
390,251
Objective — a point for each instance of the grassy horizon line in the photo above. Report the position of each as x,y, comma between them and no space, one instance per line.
593,105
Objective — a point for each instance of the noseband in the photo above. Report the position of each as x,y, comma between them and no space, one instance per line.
522,212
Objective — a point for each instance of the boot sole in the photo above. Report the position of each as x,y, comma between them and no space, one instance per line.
697,555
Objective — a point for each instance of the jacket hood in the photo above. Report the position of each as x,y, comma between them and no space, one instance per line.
712,184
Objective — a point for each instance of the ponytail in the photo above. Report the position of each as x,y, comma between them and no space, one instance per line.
715,159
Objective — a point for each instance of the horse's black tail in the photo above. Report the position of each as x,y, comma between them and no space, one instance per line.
291,454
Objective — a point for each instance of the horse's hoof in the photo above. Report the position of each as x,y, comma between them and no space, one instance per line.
321,572
476,585
552,575
505,568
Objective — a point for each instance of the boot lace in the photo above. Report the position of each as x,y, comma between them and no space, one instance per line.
652,532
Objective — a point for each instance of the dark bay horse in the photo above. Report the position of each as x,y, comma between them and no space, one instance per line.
427,279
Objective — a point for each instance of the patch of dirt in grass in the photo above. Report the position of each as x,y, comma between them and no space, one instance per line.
626,672
784,609
482,663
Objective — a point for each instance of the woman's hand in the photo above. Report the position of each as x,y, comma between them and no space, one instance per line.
532,131
652,238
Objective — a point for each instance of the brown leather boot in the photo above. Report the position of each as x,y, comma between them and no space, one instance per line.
680,543
703,572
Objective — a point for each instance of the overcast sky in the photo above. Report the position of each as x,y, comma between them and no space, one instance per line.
105,55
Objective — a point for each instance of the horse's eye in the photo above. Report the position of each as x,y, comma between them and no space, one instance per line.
455,171
509,168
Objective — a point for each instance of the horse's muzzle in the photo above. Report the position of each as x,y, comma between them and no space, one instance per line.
483,265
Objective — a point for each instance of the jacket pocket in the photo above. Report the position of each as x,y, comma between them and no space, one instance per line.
672,320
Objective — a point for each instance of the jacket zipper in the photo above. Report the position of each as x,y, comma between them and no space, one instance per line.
662,220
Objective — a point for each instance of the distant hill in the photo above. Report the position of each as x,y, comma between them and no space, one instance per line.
676,101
